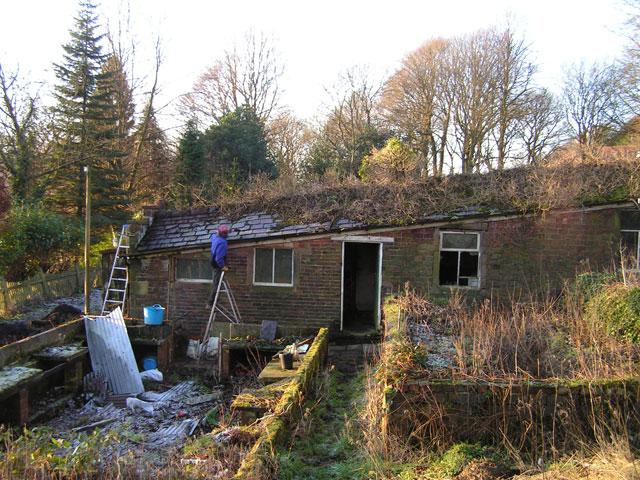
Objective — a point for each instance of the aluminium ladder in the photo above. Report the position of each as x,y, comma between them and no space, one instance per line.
116,291
230,312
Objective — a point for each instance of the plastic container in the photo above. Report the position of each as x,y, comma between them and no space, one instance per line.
286,360
153,315
149,363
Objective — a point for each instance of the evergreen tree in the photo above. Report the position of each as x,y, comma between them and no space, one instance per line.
87,124
189,175
238,147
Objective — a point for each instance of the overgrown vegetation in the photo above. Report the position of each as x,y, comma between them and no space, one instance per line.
519,190
494,348
33,238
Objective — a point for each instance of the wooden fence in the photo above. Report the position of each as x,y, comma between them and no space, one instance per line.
46,286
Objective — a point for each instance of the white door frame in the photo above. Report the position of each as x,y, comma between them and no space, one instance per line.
356,239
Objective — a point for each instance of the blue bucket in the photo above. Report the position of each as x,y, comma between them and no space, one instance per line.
153,315
149,363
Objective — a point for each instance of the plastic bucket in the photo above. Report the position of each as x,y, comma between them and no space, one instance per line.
149,363
153,315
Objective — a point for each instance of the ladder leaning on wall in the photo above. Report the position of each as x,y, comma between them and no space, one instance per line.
116,292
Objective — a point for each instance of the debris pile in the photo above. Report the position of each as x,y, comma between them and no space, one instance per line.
147,425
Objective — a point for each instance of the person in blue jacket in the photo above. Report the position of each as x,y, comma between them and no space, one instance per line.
218,259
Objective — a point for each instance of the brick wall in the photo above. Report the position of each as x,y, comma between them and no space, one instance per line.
516,255
522,412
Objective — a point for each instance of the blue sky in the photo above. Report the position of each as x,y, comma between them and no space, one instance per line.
316,41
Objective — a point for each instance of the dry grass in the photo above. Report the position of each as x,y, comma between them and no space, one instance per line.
575,181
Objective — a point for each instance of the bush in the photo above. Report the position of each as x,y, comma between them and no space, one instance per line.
33,238
617,307
589,284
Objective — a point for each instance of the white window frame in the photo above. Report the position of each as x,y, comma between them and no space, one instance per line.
637,253
194,280
460,250
273,269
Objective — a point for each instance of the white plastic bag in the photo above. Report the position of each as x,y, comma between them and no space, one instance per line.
155,375
193,348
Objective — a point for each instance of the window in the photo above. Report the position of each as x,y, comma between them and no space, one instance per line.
273,266
193,269
629,236
459,259
630,245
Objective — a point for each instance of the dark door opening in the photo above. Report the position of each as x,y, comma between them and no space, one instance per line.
360,295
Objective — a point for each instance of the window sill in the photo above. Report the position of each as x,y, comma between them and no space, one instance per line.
193,280
279,285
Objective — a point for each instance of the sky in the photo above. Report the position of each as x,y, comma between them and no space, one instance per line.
315,41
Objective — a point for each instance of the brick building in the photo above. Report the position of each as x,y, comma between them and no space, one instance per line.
335,274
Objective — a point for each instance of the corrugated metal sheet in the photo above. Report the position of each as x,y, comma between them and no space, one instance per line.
111,353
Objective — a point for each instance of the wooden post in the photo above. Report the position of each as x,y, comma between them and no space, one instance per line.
87,242
4,292
79,279
46,292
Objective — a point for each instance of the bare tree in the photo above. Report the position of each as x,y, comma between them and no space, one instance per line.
352,127
515,74
416,106
247,76
593,102
288,141
541,125
474,71
19,133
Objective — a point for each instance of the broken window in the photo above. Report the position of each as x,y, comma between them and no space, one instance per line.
629,237
273,266
629,243
459,259
193,269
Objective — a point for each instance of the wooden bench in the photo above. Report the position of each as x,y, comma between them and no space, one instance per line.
14,389
16,381
68,358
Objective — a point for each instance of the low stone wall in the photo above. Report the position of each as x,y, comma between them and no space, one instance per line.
274,428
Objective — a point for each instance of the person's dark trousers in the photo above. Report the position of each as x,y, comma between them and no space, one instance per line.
217,274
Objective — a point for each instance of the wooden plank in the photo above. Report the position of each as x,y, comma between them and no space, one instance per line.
64,353
273,372
13,378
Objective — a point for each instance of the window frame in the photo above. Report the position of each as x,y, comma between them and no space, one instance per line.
193,280
637,252
460,251
273,269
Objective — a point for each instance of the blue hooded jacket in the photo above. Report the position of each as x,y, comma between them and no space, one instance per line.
218,250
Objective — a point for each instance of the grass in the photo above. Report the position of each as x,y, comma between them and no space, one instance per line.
326,443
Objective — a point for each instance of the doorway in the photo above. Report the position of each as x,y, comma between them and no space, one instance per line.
361,286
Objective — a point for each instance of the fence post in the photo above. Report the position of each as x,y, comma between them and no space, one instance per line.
4,294
79,278
46,292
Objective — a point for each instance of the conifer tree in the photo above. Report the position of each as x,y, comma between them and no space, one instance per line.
189,175
87,124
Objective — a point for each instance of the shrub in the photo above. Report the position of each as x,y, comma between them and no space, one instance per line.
33,238
617,307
